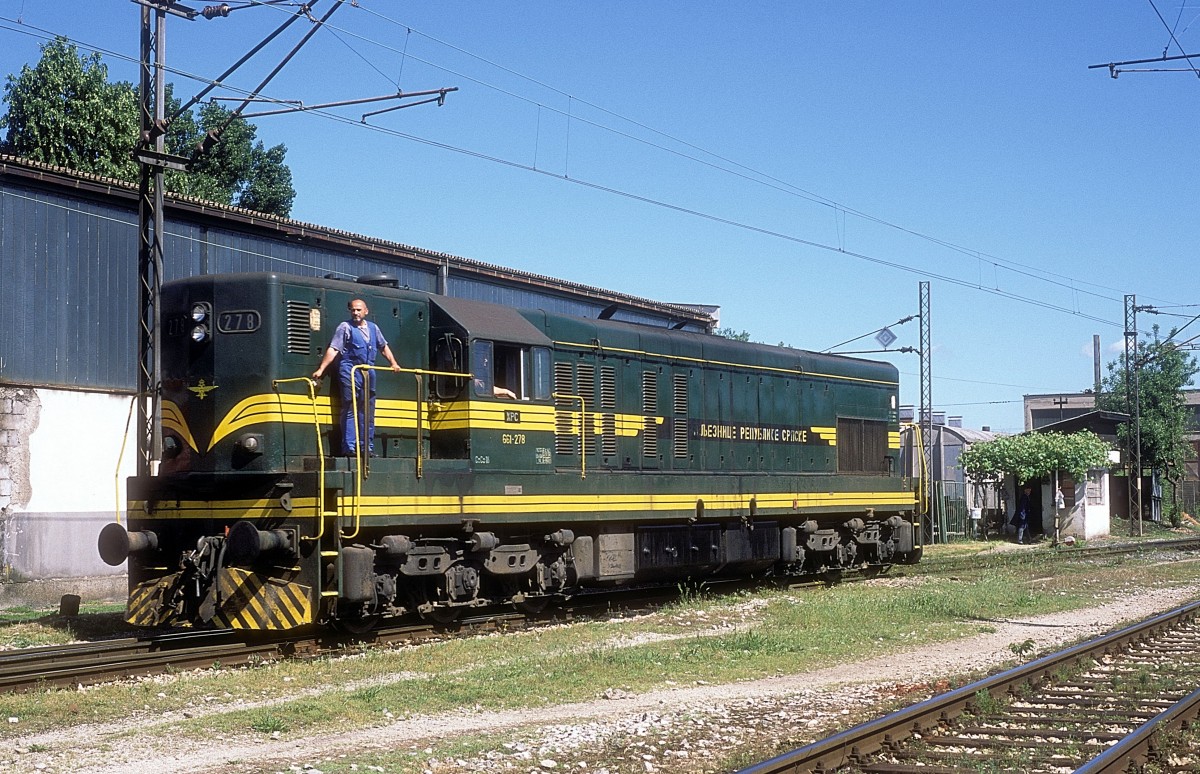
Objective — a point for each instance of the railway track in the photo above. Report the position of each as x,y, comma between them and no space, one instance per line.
1108,705
149,654
93,662
1062,553
89,663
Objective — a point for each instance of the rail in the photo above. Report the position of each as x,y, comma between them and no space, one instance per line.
850,747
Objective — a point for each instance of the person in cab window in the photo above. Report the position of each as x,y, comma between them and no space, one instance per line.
356,341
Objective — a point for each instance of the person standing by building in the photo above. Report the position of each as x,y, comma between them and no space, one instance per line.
1023,513
356,341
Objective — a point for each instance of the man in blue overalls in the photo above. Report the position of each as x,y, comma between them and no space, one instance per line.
356,341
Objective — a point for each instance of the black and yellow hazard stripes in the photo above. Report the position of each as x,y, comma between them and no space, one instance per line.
251,600
238,599
149,601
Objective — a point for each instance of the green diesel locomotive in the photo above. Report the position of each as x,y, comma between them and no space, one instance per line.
520,457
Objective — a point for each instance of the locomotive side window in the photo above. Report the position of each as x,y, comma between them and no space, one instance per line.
541,373
510,371
482,368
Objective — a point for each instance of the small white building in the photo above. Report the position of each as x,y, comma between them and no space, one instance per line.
1069,508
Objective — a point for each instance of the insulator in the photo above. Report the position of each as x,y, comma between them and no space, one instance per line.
213,11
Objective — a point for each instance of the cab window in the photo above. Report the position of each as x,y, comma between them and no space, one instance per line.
482,368
510,371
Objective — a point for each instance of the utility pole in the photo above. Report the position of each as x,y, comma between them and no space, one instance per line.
149,154
1133,405
925,421
153,159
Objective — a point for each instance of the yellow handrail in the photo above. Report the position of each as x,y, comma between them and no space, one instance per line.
312,399
922,474
418,373
582,432
120,457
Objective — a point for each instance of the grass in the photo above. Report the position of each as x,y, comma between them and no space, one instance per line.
29,627
704,638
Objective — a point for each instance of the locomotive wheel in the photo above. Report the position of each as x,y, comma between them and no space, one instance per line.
358,626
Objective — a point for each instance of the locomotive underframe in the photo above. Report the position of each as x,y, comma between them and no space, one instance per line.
258,562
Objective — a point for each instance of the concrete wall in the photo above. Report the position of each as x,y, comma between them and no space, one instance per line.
1082,520
59,480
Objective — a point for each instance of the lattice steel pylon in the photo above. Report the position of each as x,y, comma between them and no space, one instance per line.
150,231
1133,406
925,417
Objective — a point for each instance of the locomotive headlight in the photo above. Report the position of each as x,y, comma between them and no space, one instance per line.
250,444
200,311
200,334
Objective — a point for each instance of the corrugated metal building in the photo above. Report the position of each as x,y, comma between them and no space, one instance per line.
68,327
959,507
68,272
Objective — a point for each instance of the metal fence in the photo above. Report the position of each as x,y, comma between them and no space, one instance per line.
959,512
1189,492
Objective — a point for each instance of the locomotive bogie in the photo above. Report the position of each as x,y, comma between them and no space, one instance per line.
520,457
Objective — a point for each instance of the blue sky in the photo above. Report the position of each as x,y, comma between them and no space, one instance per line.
804,165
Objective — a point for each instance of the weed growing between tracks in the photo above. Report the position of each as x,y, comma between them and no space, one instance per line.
701,640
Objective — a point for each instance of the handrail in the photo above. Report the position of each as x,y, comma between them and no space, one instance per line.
922,478
582,432
418,373
120,457
312,399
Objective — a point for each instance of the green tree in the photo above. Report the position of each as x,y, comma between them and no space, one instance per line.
64,111
1163,372
237,170
1032,455
730,333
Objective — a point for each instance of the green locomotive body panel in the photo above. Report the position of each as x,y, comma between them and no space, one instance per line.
520,454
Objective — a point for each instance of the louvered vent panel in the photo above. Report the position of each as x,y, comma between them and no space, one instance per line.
680,440
587,390
299,333
649,410
566,440
608,402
